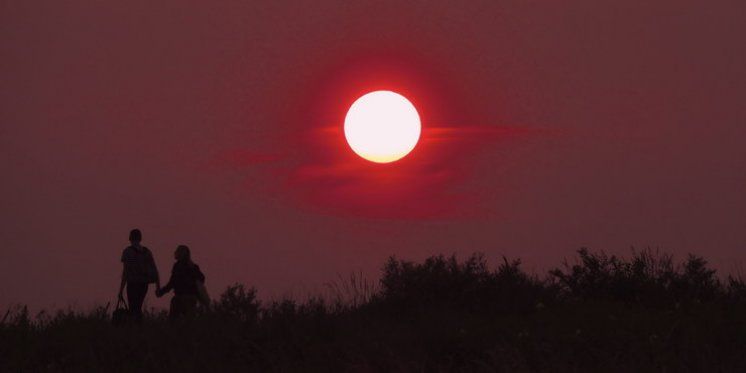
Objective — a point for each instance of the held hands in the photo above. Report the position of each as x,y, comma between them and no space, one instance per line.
159,292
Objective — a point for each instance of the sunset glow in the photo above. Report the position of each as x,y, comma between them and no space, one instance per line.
382,126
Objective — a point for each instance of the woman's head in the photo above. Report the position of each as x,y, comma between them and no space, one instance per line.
135,236
182,253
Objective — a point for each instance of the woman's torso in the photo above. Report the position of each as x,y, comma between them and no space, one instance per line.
184,277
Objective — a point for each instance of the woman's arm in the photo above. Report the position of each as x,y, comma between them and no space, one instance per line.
169,285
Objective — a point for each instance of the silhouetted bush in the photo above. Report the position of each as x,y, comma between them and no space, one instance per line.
238,303
736,289
469,285
647,277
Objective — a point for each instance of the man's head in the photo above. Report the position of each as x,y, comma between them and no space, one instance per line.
135,236
182,253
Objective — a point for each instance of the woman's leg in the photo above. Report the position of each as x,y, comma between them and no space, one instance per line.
182,305
173,312
190,305
136,296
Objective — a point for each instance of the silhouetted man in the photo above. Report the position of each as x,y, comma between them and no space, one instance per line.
138,271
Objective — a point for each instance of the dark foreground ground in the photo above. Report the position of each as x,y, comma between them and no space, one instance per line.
603,313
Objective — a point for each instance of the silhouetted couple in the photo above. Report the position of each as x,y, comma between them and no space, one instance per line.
139,271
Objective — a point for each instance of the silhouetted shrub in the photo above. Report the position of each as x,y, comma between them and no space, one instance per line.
470,285
736,289
238,303
647,277
695,281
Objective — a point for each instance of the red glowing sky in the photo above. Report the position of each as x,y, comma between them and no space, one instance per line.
547,126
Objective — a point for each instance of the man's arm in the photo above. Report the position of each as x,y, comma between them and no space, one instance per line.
122,283
155,269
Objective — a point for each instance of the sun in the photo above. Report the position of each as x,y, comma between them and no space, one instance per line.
382,126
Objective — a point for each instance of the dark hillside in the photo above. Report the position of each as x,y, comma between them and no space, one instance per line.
600,313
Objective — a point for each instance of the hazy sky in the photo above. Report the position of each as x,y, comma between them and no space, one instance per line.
547,126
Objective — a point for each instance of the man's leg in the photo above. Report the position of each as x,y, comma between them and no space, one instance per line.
136,296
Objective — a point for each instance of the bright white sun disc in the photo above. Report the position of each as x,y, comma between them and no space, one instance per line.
382,126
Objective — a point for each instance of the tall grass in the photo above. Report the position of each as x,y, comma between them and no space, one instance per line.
351,291
598,312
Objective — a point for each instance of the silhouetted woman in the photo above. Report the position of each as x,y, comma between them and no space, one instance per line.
138,270
185,276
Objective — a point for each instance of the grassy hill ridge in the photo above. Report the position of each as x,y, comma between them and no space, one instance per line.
599,313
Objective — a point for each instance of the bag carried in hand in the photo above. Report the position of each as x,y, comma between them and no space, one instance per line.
121,314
